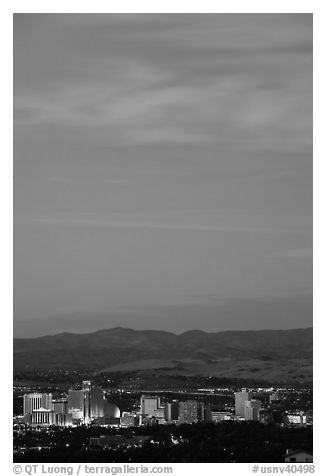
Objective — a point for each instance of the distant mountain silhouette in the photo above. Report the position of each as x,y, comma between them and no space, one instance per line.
111,347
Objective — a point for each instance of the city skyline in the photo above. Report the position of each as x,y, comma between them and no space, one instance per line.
162,171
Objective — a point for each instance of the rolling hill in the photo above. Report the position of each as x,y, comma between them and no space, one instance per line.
230,352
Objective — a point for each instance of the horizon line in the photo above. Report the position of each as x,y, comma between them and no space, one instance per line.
161,330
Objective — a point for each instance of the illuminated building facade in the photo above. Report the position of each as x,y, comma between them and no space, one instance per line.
90,403
168,412
129,419
148,405
75,404
188,411
34,401
86,390
111,410
60,406
252,409
97,402
42,417
240,402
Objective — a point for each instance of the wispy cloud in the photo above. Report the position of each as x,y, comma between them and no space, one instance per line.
122,221
179,80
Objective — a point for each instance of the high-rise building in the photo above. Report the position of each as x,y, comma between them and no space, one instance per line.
41,417
111,410
168,412
188,411
41,410
75,404
148,405
205,413
86,389
60,405
34,401
252,409
62,419
240,401
97,402
174,410
90,403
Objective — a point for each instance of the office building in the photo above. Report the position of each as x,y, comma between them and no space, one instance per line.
174,410
240,401
252,409
148,405
203,412
167,412
188,411
171,411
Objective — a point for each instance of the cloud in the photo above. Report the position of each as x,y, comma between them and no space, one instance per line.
172,78
225,112
120,220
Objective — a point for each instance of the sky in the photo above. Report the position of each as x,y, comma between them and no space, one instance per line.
162,171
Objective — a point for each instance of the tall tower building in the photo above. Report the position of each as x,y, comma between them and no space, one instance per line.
240,401
97,402
86,389
174,410
76,404
168,412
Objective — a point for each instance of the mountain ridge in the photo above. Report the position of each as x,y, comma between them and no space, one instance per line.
190,331
118,345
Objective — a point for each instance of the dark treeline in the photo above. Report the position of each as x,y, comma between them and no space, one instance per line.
202,442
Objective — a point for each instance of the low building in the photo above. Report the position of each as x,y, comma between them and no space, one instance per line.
298,456
297,418
129,419
221,416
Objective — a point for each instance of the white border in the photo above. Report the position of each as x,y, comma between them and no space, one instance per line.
166,6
